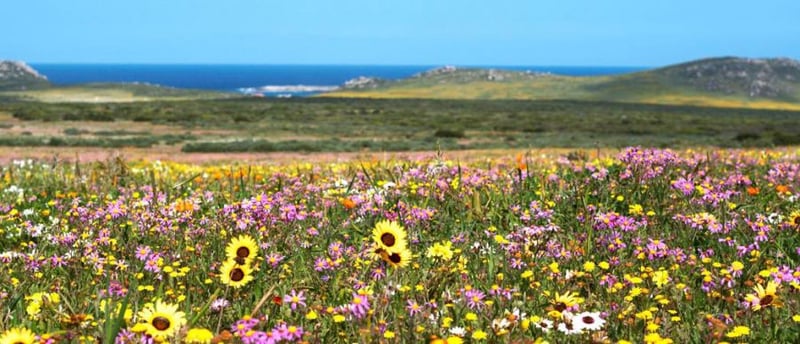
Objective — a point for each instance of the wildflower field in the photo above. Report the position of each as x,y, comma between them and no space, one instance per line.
637,246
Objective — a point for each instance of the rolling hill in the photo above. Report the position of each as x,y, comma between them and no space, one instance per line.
722,82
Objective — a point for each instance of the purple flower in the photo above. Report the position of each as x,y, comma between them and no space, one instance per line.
294,298
359,306
413,308
474,298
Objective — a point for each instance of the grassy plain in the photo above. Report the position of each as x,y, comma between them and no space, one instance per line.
364,125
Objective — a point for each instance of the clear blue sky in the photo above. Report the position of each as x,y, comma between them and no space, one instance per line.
408,32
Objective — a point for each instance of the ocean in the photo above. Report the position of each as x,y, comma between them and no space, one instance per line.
269,80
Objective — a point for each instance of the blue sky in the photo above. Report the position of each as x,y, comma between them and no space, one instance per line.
404,32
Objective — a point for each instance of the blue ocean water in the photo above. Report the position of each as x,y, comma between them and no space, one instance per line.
270,80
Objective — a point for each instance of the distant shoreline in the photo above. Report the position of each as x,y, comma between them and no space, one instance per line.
294,80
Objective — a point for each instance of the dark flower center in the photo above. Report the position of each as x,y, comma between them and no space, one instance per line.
588,320
161,323
242,252
387,239
395,258
766,300
237,275
560,306
797,220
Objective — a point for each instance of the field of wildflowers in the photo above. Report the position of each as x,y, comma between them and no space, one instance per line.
643,246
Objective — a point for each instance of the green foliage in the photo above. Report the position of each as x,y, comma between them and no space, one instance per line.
321,124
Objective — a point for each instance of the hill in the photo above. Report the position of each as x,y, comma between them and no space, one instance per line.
15,75
723,82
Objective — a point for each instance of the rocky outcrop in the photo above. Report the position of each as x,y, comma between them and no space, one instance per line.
15,75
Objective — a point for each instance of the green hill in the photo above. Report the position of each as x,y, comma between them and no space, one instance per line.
723,82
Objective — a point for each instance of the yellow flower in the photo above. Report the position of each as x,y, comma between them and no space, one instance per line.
199,336
235,275
588,266
338,318
388,334
242,249
17,336
794,219
478,335
764,297
448,340
738,331
311,315
441,250
162,320
655,338
660,278
567,300
389,236
399,259
471,316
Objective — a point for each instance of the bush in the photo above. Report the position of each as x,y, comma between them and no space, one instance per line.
451,133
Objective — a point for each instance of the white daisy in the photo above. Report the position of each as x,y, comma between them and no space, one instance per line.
588,320
544,324
568,328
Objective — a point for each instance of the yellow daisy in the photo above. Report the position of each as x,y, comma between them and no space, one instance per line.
17,336
764,297
235,275
242,249
199,336
398,259
568,299
794,219
389,236
448,340
162,320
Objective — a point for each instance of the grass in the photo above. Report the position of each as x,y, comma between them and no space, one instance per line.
334,125
653,244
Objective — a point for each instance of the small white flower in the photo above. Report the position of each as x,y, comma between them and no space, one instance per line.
500,324
774,218
458,331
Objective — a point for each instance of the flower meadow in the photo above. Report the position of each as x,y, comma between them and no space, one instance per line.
637,246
